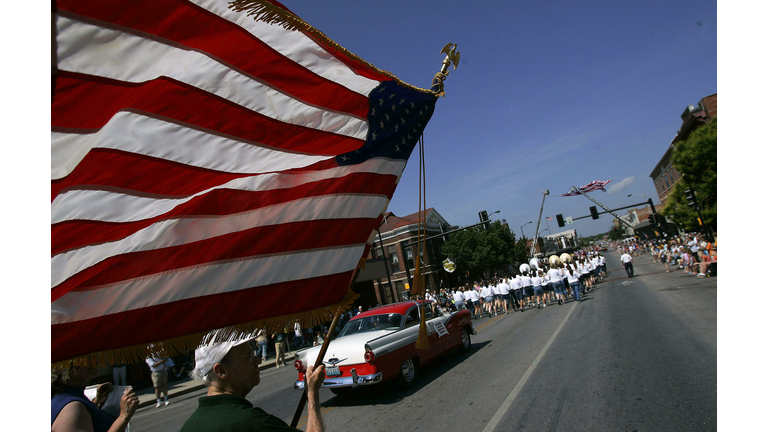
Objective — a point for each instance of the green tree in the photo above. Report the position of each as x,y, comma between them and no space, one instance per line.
477,250
696,161
616,233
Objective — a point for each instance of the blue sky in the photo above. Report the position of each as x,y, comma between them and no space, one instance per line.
547,95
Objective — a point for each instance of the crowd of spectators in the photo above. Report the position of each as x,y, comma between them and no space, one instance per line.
694,253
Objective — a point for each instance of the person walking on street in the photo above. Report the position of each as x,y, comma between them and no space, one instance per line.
628,267
458,299
487,294
555,275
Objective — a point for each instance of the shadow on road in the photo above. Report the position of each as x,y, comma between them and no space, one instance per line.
388,393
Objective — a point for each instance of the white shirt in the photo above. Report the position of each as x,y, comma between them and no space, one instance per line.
555,275
495,290
152,360
472,295
485,292
503,288
525,281
626,258
572,276
458,296
537,281
518,283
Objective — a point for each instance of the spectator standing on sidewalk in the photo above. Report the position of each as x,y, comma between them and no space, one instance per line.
119,374
262,341
159,370
628,267
298,336
280,341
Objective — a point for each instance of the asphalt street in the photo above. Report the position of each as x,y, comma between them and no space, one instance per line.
637,354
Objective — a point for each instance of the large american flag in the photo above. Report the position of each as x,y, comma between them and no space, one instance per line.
210,170
590,187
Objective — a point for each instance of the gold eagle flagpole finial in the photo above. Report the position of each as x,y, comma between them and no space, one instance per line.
451,57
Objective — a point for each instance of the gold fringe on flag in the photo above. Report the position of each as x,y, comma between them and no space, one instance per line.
180,345
267,12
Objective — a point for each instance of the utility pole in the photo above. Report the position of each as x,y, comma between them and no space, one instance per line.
538,224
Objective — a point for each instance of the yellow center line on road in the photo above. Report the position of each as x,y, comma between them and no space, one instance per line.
494,319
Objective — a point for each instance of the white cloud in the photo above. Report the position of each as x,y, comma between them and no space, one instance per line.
620,186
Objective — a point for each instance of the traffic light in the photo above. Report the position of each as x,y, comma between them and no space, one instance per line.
652,219
690,195
484,217
560,221
593,212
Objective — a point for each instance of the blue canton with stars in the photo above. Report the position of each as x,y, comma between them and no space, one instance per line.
396,119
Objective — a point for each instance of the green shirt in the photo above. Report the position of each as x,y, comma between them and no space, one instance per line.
225,413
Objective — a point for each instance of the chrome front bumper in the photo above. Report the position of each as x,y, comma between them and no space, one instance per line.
347,381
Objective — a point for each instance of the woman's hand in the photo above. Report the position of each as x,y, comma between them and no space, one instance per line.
128,403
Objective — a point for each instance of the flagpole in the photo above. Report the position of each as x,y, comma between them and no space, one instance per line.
318,362
321,355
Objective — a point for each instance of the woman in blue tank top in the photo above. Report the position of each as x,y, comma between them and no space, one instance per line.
71,409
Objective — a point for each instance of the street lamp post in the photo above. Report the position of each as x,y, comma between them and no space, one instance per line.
521,228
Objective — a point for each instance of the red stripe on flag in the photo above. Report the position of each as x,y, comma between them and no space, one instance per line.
88,102
119,330
254,242
189,25
72,234
106,168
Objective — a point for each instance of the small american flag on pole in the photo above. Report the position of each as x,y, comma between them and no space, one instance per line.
590,187
549,218
210,170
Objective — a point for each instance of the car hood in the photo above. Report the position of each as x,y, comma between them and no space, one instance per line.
350,349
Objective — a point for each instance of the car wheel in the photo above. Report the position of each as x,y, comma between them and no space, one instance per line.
408,373
466,342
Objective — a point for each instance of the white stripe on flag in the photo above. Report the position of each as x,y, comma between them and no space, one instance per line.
135,133
295,46
176,232
117,207
89,49
202,280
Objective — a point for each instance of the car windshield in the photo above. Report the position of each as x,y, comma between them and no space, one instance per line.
372,323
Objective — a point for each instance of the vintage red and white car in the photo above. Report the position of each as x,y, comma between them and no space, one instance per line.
378,345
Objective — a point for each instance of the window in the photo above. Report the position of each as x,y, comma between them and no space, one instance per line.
412,318
392,251
399,287
372,323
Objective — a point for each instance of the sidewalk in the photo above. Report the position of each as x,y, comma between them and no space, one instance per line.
188,385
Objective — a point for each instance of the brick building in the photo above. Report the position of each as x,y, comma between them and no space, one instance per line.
664,174
391,245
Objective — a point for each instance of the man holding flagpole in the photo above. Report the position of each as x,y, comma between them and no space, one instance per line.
230,371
